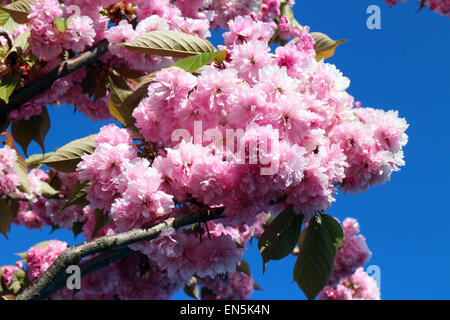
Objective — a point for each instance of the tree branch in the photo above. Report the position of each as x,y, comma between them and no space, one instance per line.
65,68
50,280
98,262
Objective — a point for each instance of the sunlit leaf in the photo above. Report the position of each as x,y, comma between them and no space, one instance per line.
19,10
7,86
324,45
191,289
66,158
193,63
169,43
78,195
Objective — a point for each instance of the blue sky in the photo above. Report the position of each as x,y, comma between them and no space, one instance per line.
403,66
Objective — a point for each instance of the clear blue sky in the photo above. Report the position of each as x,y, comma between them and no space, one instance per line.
403,66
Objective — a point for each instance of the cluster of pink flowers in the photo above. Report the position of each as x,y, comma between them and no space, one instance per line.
257,133
318,138
440,6
9,179
358,286
39,258
40,211
352,254
232,286
7,273
58,29
349,281
131,278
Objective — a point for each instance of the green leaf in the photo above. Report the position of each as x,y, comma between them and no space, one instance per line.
60,24
324,45
6,217
334,230
126,72
191,289
20,44
35,128
124,111
280,236
47,190
19,10
257,286
315,261
10,25
77,228
14,287
23,255
193,63
119,89
34,161
7,86
66,158
4,16
244,267
24,131
169,43
43,128
101,220
78,195
23,175
43,244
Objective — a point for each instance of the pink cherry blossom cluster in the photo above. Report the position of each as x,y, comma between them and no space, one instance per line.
40,210
358,286
352,254
58,29
349,281
131,278
257,133
440,6
323,141
233,286
7,273
9,179
39,258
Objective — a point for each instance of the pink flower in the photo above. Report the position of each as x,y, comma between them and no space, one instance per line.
45,39
230,286
34,217
243,29
141,204
249,57
8,273
40,258
25,112
352,254
80,34
9,179
359,286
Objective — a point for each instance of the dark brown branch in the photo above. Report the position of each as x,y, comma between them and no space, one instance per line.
65,68
49,281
